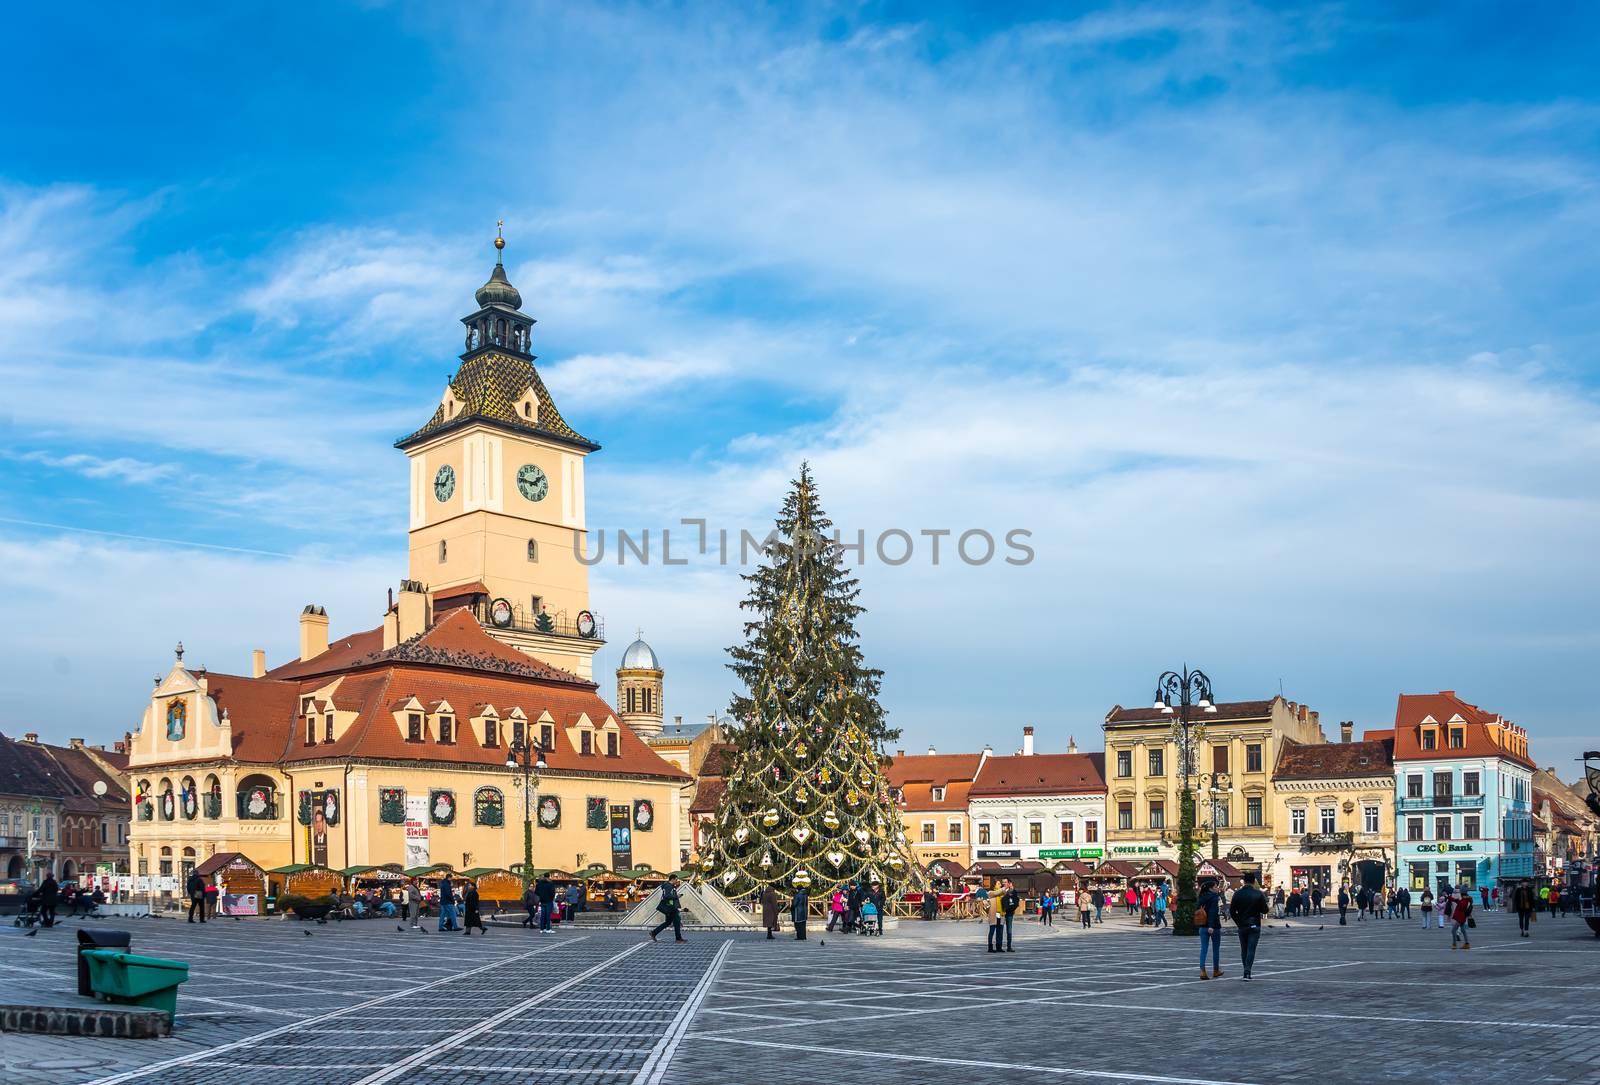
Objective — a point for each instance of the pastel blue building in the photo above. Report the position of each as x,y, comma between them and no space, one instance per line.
1463,795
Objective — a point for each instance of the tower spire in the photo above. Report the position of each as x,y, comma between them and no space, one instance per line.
499,240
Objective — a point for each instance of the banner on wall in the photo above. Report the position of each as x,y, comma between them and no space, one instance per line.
240,904
416,831
141,883
324,812
621,838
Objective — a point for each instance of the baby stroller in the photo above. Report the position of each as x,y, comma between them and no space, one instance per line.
868,923
28,914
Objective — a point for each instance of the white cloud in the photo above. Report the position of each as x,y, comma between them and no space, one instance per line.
124,468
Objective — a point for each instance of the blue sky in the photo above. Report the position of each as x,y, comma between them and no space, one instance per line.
1275,326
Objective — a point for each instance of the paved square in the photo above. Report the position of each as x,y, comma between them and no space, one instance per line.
363,1003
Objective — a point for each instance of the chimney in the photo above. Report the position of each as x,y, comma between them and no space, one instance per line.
411,609
1346,730
931,751
1301,710
1072,744
313,631
1027,742
258,663
899,753
31,737
75,743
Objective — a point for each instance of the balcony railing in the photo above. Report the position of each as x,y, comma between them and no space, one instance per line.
1442,802
1328,840
551,625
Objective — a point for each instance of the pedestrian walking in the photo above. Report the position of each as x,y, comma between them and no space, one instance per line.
1461,919
852,904
1010,901
1085,902
797,912
1425,904
1405,902
545,890
1344,904
196,889
1047,901
1131,897
1316,900
471,904
670,908
530,902
1524,903
1553,900
1277,903
447,904
1483,894
1248,907
769,911
48,895
1158,907
1099,905
879,903
836,909
414,905
1208,918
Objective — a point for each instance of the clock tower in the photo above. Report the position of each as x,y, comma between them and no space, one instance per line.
497,507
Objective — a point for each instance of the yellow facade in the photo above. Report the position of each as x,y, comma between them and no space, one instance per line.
1144,779
434,700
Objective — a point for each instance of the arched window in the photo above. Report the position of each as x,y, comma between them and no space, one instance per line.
533,550
69,871
213,796
489,807
169,804
142,800
189,799
258,798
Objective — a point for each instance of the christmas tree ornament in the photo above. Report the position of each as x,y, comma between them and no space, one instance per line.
770,818
830,819
741,834
836,858
801,833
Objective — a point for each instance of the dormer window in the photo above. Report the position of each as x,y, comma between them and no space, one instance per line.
414,727
327,726
613,746
938,794
491,732
1458,738
1430,739
445,727
518,733
311,730
586,742
547,736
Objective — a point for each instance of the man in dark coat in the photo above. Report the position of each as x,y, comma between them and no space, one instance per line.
1524,902
530,902
879,901
670,907
545,890
196,889
474,917
1248,906
447,904
45,898
797,913
769,910
852,900
1010,901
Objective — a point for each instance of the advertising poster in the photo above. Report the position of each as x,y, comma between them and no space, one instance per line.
416,831
621,838
141,883
240,904
317,832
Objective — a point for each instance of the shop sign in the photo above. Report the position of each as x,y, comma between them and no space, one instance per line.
999,853
1443,847
1135,849
1090,853
1058,853
929,855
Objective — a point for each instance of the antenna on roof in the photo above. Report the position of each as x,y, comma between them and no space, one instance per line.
1280,687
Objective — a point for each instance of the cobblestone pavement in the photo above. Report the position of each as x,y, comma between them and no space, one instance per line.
360,1003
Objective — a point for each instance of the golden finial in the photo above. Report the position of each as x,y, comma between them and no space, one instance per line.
499,235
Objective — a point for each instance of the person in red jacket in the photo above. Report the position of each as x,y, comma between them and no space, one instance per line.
1460,914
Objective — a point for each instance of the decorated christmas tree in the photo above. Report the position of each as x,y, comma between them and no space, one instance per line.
806,802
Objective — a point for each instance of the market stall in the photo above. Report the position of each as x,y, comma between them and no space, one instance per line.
495,884
241,883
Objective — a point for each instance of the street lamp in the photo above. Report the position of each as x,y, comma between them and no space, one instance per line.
1180,694
531,762
1219,789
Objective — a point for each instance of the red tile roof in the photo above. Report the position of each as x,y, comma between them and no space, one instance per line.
916,775
340,654
1334,760
1042,774
454,661
708,796
1481,727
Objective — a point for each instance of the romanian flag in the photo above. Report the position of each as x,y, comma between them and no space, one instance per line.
139,795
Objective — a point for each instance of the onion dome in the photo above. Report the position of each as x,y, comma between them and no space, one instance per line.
639,656
498,290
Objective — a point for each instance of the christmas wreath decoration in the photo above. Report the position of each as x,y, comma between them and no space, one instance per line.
442,807
392,805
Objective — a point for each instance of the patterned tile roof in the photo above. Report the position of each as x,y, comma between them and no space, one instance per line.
1334,760
489,386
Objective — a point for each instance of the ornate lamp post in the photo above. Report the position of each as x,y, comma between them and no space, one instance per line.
1219,789
1179,695
531,762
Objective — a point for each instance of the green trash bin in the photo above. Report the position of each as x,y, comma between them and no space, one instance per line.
136,981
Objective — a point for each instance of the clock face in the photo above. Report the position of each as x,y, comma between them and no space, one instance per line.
532,482
444,483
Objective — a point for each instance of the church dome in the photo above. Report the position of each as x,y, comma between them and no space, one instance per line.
498,290
639,656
